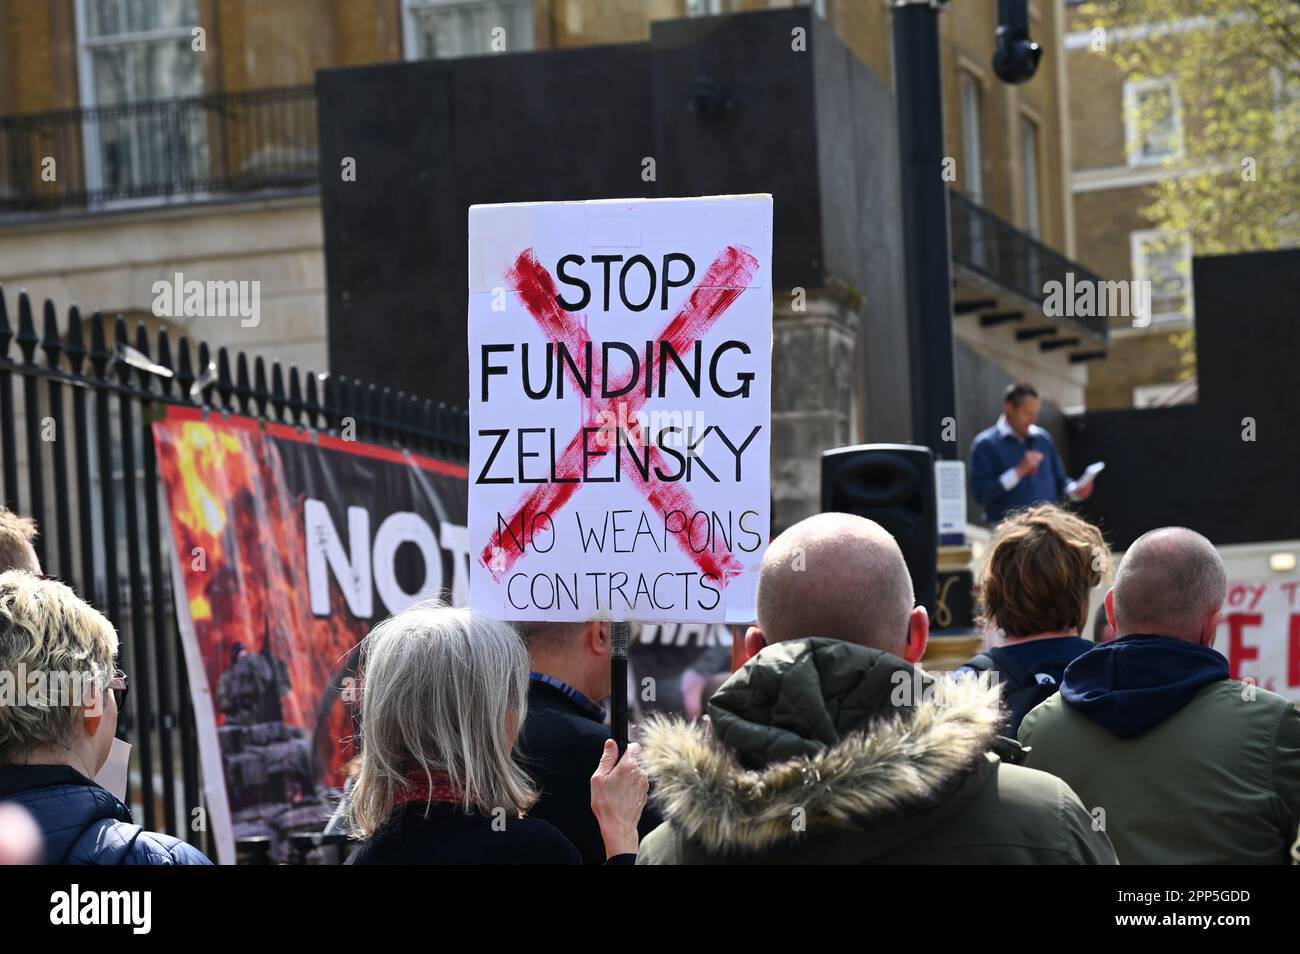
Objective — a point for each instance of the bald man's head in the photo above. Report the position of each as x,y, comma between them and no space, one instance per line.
837,576
1171,582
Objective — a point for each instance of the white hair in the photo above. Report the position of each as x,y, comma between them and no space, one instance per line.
443,691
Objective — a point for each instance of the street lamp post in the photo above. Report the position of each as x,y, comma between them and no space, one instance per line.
918,84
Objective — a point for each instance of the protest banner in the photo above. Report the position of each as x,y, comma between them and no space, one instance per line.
669,662
288,547
620,407
1260,634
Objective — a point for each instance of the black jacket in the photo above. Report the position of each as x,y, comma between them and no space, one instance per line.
448,836
561,746
84,824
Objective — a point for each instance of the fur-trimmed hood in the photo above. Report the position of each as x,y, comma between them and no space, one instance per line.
820,735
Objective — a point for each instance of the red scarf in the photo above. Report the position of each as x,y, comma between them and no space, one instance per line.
435,787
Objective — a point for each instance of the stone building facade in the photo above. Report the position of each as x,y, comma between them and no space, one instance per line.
66,65
49,51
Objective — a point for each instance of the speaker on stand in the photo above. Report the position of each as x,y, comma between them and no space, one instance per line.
892,484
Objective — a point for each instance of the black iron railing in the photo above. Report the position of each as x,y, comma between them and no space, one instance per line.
91,482
1002,254
162,149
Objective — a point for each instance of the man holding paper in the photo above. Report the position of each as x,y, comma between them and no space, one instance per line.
1015,463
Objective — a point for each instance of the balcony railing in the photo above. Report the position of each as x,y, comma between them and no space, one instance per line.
163,150
1002,254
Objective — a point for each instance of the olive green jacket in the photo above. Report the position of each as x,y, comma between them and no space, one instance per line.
1218,782
824,752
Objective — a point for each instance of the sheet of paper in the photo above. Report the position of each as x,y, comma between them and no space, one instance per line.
1088,475
950,495
112,774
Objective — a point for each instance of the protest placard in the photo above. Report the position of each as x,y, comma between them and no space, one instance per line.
620,408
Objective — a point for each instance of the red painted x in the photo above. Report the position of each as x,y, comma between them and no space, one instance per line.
721,285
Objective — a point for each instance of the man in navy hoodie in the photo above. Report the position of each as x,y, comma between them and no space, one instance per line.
1176,761
1015,464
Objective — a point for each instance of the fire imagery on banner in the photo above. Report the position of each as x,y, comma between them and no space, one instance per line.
670,665
288,548
620,406
1260,634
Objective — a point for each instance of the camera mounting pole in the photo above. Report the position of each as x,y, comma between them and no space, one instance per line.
1015,55
927,259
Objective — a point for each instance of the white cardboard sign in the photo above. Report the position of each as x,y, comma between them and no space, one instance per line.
620,358
950,500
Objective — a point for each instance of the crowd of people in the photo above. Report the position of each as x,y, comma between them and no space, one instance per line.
485,742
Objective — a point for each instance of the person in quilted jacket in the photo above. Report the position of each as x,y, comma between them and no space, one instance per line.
59,699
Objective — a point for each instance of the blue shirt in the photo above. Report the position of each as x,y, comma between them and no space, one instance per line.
993,458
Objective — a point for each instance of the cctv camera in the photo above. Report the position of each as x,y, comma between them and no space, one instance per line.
1015,56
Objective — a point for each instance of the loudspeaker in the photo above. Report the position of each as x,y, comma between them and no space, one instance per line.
892,484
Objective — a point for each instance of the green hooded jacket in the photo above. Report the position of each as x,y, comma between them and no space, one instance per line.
1217,782
824,752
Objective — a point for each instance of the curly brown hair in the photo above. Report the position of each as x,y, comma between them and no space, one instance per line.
1040,568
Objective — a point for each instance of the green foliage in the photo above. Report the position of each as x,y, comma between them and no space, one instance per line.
1185,342
1236,64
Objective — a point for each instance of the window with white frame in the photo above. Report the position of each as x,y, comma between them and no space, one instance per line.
1153,121
1029,169
443,29
1165,260
971,150
712,8
1286,102
138,51
1289,230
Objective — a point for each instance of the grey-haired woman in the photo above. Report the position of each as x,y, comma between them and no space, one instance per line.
444,695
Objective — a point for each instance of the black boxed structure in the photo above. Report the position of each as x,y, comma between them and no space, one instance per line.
719,105
1229,465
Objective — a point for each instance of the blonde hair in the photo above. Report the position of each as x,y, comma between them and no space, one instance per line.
443,690
16,536
47,632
